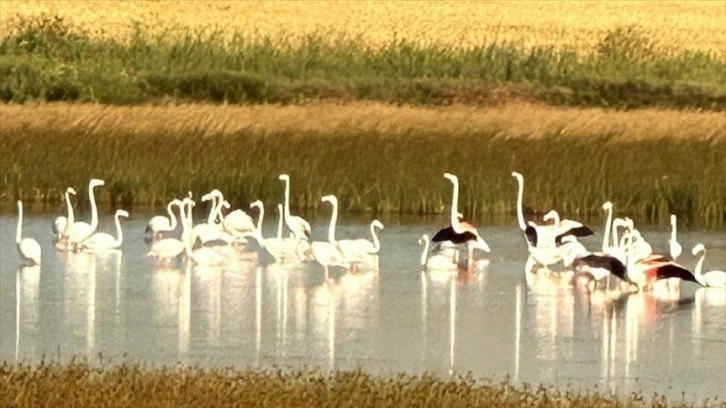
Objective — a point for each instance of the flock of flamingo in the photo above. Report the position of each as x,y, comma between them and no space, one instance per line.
625,257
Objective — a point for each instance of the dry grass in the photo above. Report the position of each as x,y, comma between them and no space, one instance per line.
678,25
76,385
518,120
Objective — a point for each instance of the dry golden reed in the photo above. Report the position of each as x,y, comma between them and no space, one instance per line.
579,25
80,385
518,120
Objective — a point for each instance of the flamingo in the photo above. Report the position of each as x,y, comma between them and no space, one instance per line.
28,248
168,248
711,279
361,250
459,231
239,224
159,224
436,263
100,241
211,232
278,247
79,231
596,265
562,228
297,225
203,256
327,253
646,271
61,223
673,245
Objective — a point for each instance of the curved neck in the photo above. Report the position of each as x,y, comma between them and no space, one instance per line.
376,242
606,234
212,217
287,199
119,231
699,266
19,231
172,217
71,217
94,209
425,250
333,220
520,212
455,205
261,207
279,221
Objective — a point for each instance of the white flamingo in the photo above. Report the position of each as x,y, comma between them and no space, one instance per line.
212,232
159,224
62,222
564,227
459,232
436,262
297,225
169,248
711,279
101,241
79,231
327,253
28,248
204,255
673,245
361,250
278,247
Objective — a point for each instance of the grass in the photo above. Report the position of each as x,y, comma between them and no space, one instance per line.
52,58
376,158
79,384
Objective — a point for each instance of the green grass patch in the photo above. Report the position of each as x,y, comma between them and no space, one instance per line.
48,59
370,171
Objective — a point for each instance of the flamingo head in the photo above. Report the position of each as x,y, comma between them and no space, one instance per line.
424,238
71,190
122,213
284,177
226,204
377,224
95,183
451,177
673,220
518,176
330,198
258,204
698,249
552,215
607,206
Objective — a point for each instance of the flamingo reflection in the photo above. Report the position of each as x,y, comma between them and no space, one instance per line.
27,280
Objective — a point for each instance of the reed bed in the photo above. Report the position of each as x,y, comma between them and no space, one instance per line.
382,160
79,384
56,57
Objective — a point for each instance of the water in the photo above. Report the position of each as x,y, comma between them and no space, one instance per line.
124,308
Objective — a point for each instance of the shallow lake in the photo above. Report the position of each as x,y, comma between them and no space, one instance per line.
126,308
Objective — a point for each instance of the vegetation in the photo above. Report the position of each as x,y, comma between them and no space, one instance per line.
382,159
80,384
53,59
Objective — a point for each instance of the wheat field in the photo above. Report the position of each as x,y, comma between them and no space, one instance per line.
677,25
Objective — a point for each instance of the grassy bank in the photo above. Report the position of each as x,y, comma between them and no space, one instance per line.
51,58
375,157
73,385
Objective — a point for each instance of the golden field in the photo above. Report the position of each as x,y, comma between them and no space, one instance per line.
677,25
514,119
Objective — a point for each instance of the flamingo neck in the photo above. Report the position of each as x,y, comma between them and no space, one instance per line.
606,234
279,222
211,218
119,232
673,230
425,250
333,220
376,242
287,199
454,206
261,207
520,212
94,209
19,230
172,217
698,273
71,217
